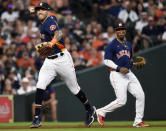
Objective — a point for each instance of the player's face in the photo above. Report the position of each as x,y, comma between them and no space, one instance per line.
42,14
120,34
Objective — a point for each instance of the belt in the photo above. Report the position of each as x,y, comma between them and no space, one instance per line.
55,56
111,69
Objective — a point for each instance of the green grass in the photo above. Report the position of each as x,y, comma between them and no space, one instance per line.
93,129
73,124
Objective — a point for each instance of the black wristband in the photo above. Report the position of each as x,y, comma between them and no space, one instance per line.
118,69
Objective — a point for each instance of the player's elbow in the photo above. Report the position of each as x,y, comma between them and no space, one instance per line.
121,104
106,62
110,63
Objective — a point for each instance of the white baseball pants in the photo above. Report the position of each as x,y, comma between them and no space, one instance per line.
64,67
121,84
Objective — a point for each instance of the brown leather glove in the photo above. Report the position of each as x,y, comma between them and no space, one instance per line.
140,62
44,49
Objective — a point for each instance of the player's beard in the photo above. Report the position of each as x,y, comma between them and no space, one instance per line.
121,35
121,38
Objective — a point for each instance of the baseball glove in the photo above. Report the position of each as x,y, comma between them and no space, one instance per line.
140,62
44,49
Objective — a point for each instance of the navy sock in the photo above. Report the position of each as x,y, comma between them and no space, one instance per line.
38,101
81,96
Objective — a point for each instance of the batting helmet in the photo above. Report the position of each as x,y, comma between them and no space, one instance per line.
43,5
120,26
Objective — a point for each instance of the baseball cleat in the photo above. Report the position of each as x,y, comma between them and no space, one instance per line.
90,116
100,119
36,122
141,124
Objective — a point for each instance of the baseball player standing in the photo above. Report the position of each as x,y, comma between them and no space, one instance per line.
118,57
57,61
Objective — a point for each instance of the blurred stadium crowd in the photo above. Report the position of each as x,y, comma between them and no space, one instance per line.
87,25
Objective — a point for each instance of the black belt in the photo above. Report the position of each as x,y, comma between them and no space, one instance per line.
55,56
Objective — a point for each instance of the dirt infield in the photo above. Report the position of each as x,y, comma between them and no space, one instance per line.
60,127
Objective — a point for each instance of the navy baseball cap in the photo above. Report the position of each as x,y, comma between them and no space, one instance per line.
43,5
120,26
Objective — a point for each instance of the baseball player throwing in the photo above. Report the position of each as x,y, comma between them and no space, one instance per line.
118,57
57,61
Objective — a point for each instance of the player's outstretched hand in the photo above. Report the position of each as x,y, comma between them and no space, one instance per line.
124,70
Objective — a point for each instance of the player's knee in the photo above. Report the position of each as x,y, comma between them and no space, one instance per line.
41,85
74,90
122,102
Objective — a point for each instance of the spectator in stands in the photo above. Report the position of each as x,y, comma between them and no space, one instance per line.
78,32
95,58
150,33
10,15
161,23
64,7
109,35
2,64
128,14
8,90
138,27
98,41
32,82
74,47
14,79
3,6
69,22
67,42
140,8
115,8
21,47
161,4
10,63
88,35
29,31
24,87
85,53
93,24
101,49
104,6
26,62
142,22
79,62
152,7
